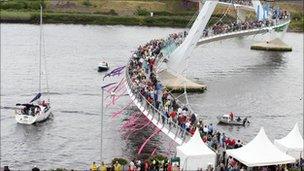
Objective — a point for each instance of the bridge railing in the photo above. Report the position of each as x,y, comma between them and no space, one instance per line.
276,24
172,126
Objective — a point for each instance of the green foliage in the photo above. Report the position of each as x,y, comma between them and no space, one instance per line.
87,3
12,16
159,158
166,13
141,12
165,21
295,169
296,16
59,169
121,161
22,5
297,22
112,12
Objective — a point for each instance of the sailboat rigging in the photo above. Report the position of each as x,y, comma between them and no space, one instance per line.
36,110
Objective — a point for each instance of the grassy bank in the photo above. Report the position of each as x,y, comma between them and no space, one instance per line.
167,13
297,22
99,19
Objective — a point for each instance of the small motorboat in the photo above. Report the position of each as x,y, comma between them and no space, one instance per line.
236,120
103,66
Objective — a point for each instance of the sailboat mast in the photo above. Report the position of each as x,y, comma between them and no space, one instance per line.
40,48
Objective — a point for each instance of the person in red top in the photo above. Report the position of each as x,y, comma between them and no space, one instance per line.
205,138
146,166
232,143
192,130
232,162
169,168
184,119
231,116
173,114
150,100
227,142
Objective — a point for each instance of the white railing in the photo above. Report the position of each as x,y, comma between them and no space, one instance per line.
253,31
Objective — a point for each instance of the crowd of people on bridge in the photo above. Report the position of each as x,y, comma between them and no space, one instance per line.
150,91
142,72
280,14
220,28
143,77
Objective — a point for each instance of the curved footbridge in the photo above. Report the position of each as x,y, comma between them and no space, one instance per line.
241,33
175,62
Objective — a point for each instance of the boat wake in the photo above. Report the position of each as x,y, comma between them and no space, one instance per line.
9,107
79,112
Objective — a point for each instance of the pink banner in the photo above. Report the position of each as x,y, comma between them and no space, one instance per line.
147,140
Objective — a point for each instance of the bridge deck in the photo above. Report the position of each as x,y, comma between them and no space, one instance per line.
240,33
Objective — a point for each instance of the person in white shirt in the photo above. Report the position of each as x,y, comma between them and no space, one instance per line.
206,130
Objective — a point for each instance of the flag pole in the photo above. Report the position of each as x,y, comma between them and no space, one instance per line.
101,117
101,122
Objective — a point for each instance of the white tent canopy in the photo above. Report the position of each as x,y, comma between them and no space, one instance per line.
195,154
260,152
292,144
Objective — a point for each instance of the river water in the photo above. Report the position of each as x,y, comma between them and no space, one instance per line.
265,86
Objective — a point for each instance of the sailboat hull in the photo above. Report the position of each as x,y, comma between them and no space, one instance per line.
30,119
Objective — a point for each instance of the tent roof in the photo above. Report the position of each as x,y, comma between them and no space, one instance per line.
293,140
195,146
260,152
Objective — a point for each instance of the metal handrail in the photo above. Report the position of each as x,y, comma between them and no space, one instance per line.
246,30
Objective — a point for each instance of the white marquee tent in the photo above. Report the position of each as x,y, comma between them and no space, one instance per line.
195,154
292,144
260,152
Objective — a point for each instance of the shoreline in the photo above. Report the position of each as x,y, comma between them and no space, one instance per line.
116,24
100,19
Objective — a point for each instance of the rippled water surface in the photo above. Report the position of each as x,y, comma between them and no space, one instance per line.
265,86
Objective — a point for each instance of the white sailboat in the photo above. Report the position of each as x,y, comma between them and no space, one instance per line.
38,109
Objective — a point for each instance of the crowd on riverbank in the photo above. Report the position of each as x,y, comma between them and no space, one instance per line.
137,165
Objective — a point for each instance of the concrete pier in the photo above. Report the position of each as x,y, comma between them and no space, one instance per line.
273,45
176,83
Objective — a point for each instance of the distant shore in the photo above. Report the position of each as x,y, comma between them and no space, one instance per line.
93,19
166,13
296,25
